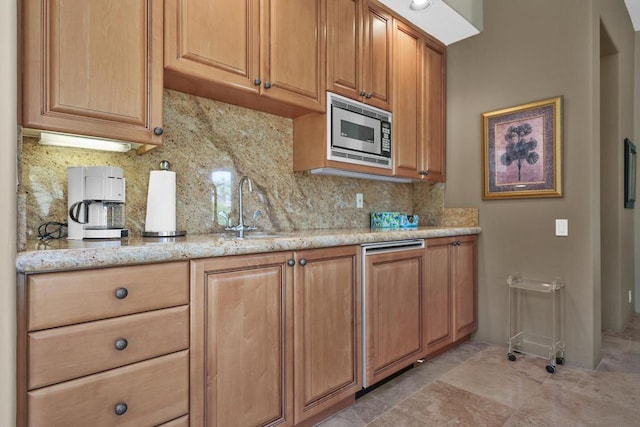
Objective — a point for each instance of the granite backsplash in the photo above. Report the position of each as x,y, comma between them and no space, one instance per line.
211,145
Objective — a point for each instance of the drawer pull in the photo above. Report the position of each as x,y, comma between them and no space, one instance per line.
121,293
121,409
121,344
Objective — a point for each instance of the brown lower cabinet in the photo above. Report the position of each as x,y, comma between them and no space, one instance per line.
274,337
104,346
450,296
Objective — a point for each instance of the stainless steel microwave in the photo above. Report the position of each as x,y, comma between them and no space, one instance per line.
358,133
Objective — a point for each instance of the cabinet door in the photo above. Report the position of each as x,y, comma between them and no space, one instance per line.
344,47
438,300
94,68
293,54
327,333
394,311
153,392
241,341
434,110
377,70
407,102
214,40
465,289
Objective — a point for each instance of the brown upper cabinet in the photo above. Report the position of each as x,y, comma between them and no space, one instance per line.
94,68
433,116
359,51
263,54
419,104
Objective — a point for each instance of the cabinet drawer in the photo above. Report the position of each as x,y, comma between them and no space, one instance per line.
58,299
69,352
154,392
180,422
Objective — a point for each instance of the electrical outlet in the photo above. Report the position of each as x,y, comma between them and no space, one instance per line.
562,227
359,200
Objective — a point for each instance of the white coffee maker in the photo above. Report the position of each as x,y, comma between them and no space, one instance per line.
95,201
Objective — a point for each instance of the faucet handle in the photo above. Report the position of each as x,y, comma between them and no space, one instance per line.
224,215
252,227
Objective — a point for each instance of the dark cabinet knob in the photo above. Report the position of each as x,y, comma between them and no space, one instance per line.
121,344
267,85
303,262
363,93
257,82
369,95
121,408
158,131
424,173
121,293
291,262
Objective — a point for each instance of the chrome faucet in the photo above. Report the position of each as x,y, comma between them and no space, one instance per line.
241,227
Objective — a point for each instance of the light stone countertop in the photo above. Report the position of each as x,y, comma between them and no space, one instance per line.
58,255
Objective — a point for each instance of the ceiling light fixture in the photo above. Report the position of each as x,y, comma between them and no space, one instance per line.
419,4
65,140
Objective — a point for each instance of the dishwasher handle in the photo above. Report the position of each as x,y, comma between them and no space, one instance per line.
393,246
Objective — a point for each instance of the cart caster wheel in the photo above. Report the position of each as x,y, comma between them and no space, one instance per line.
559,360
511,357
551,369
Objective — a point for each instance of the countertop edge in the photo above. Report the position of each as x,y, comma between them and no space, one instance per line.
62,255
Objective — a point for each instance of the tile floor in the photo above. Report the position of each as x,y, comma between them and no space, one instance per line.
475,385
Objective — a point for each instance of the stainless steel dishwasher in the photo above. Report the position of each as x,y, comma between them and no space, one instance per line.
369,249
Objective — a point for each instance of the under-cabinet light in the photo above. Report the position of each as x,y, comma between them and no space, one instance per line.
419,4
349,174
65,140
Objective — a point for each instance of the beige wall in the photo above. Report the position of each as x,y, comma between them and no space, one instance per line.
611,199
507,65
617,112
636,139
7,210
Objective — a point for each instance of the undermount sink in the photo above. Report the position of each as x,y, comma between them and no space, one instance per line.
258,235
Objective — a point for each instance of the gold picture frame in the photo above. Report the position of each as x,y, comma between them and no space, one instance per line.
522,151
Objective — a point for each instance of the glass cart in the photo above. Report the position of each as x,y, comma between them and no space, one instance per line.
533,329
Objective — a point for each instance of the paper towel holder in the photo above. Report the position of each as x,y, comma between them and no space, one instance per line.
164,165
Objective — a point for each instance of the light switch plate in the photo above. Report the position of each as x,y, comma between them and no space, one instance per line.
359,200
562,227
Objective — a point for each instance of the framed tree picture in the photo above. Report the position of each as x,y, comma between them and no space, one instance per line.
629,174
522,151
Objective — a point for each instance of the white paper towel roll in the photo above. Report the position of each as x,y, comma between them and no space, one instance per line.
161,202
